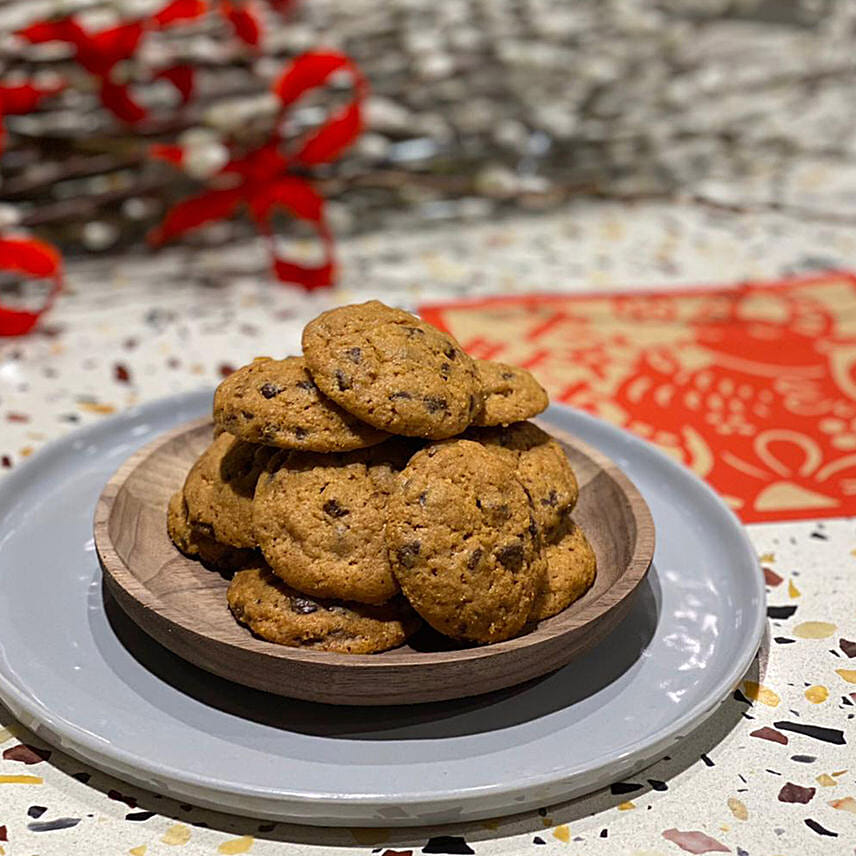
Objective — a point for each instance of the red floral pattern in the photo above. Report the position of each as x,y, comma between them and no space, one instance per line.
752,387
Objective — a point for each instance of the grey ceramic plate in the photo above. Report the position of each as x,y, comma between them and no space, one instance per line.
75,671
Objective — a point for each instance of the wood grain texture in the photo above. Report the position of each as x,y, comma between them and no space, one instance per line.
183,606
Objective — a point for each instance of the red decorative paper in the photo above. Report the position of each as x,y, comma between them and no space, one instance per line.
753,387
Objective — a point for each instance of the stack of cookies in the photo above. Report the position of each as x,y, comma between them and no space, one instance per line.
382,479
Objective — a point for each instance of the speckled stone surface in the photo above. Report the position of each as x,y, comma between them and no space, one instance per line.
771,773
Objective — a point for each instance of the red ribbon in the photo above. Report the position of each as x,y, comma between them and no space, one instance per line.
22,98
181,77
34,260
264,180
178,10
244,20
100,52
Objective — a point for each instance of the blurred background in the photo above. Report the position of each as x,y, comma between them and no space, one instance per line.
477,109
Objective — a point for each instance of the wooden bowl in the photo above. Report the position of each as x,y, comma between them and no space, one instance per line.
182,605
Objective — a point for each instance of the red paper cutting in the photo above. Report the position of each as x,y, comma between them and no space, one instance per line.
752,387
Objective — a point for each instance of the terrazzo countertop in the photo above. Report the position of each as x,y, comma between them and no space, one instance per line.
773,772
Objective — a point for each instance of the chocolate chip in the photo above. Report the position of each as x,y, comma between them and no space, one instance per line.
494,514
308,385
407,554
475,558
533,527
511,557
303,606
423,498
450,352
434,403
506,375
204,529
412,331
355,355
552,500
300,433
333,508
270,390
342,380
444,369
400,394
247,414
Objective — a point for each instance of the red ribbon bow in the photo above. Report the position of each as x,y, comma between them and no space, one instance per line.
264,180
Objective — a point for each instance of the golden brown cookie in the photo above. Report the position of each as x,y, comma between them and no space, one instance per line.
463,544
392,370
278,613
511,394
219,490
320,521
571,569
276,402
542,467
195,545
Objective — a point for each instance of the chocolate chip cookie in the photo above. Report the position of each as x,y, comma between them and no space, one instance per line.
320,521
210,552
571,569
219,490
541,466
278,613
392,370
511,394
463,543
276,402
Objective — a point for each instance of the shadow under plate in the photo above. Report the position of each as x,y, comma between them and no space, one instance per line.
592,672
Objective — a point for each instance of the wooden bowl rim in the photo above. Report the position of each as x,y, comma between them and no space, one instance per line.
559,625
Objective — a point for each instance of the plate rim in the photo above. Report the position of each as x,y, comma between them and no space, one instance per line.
76,739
